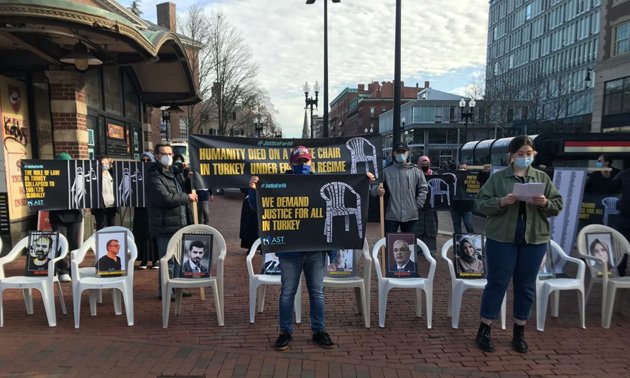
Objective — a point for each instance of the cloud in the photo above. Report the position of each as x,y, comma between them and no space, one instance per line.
440,38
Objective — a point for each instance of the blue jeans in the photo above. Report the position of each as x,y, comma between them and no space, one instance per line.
313,264
457,221
511,260
392,226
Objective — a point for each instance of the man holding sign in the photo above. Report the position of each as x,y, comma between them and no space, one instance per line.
292,264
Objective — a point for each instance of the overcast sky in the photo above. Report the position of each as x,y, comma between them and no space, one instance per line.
443,41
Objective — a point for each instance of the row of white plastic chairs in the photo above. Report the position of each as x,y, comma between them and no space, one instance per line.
86,278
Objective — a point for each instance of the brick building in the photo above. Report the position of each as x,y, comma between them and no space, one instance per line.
356,109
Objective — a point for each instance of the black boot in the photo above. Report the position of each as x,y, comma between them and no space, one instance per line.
518,339
483,339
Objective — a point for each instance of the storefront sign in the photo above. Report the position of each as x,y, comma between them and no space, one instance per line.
16,142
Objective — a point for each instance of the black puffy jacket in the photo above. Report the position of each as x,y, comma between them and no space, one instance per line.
168,203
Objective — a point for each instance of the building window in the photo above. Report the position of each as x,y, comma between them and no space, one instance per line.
183,128
622,39
617,96
372,112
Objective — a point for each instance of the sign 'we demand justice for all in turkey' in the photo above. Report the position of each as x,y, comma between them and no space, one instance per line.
298,213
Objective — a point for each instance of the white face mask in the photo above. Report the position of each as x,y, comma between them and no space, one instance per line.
166,160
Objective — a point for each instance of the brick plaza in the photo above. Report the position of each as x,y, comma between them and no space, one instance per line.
194,345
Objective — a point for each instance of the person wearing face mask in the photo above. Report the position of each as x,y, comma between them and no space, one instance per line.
427,225
405,191
106,216
601,182
517,233
169,204
293,264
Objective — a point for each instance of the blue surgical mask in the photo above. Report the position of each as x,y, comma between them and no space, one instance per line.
301,169
106,167
599,164
401,158
523,162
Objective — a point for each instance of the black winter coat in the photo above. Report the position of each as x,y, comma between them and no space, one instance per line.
167,199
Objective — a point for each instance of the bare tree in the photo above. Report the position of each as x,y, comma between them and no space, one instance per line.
231,98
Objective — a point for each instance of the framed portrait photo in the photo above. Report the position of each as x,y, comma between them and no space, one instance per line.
111,253
469,256
196,256
271,264
600,245
401,256
43,246
340,263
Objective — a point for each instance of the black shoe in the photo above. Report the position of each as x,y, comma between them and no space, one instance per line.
186,293
484,339
323,340
282,342
143,265
518,339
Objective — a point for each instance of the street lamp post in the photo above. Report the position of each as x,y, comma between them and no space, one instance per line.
258,126
310,101
397,84
466,115
325,131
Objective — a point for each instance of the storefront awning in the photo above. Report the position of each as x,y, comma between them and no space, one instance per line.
36,34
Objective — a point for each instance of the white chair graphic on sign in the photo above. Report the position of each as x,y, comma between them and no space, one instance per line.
358,154
334,194
610,208
436,185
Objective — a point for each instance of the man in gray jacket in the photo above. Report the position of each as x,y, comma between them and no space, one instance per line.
405,190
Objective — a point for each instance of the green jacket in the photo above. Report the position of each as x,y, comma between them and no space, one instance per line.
501,223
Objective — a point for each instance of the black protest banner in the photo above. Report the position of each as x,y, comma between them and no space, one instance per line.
229,162
441,191
129,183
61,184
467,184
299,213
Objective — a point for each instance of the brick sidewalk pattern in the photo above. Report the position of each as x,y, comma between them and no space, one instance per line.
194,346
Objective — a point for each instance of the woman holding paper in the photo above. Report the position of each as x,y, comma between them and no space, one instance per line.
517,234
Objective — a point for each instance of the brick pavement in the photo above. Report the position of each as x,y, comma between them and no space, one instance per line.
194,345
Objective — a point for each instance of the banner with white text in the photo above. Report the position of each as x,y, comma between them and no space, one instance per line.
298,213
228,162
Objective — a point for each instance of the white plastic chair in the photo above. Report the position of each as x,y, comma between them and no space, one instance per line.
436,185
459,286
178,284
610,208
360,284
620,246
334,194
385,284
45,285
258,284
544,288
91,270
359,155
85,278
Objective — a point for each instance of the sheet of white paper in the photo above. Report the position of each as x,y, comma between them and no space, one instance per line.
526,192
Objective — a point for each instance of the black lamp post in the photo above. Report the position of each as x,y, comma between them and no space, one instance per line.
466,115
258,126
310,102
325,131
397,84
